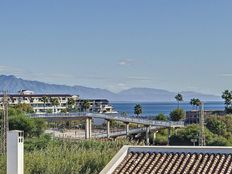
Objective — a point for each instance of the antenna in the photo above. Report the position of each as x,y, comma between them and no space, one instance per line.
202,126
5,124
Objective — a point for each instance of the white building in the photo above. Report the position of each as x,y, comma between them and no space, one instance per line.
41,103
96,105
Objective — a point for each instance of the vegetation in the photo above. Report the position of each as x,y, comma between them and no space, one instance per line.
138,109
227,96
179,98
22,107
18,120
177,114
195,102
71,104
44,100
55,102
86,105
161,117
59,157
44,155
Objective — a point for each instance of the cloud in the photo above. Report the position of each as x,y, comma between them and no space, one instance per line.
125,62
226,75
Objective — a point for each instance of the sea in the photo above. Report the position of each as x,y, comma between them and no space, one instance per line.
153,109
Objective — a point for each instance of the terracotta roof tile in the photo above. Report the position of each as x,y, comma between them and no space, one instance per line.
174,163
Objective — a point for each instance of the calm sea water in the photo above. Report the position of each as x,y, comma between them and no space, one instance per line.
151,109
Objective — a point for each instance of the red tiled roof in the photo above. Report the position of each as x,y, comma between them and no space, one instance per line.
174,163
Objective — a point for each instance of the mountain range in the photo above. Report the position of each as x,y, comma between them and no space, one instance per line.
13,84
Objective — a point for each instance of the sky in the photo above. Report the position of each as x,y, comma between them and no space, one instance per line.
181,45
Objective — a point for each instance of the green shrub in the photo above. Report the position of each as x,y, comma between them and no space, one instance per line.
177,114
64,157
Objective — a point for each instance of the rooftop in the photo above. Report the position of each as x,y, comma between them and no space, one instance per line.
153,160
37,95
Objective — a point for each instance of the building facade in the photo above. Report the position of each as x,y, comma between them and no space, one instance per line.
56,103
95,105
41,103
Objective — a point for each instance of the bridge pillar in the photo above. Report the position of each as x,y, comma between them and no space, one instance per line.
169,135
147,135
90,128
87,128
127,129
108,128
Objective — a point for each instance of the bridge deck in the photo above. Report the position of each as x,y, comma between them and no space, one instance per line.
110,117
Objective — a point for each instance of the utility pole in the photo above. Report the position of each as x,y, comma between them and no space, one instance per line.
5,124
202,126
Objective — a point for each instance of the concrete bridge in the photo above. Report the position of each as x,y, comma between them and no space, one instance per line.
148,124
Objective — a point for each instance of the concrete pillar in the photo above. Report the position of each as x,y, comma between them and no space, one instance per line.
87,128
127,129
169,135
15,152
108,128
147,135
154,137
90,127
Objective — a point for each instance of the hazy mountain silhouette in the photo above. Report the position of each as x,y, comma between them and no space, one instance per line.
13,84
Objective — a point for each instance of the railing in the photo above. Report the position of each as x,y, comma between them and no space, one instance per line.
116,117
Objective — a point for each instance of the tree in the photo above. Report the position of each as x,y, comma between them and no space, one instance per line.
40,126
227,96
86,105
23,107
71,103
185,135
64,111
177,114
44,100
179,98
138,109
192,102
55,102
49,111
21,122
161,117
216,125
195,102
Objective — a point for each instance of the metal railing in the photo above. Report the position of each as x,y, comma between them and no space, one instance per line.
116,117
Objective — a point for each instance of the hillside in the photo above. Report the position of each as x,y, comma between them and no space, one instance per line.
13,84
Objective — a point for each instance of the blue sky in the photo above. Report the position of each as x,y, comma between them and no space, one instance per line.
174,45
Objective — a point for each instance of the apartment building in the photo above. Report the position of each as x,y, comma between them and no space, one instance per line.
44,103
96,105
41,103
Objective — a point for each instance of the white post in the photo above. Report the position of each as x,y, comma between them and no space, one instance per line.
147,135
15,152
108,128
90,128
87,128
127,129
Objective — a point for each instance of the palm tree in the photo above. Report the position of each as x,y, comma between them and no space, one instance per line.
195,102
227,96
44,100
71,103
192,102
198,102
55,102
86,105
179,98
138,109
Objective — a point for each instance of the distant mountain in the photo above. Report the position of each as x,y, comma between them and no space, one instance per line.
146,94
13,84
